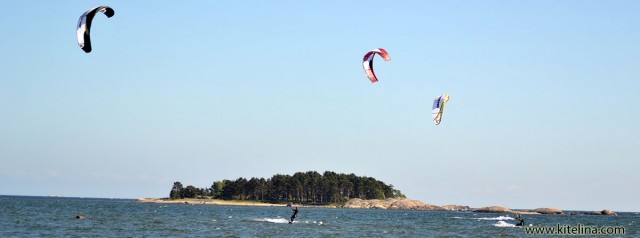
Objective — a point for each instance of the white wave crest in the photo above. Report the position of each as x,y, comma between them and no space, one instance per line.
500,218
274,220
503,224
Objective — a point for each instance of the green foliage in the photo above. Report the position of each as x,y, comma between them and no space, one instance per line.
176,190
306,188
217,188
189,192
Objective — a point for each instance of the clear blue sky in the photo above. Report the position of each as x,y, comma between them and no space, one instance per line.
544,105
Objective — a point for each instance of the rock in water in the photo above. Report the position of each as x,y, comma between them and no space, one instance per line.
548,211
456,208
608,212
494,209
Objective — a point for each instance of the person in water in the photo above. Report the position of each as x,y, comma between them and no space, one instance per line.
294,215
520,220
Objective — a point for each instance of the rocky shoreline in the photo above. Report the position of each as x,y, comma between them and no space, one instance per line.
408,204
542,211
400,204
391,204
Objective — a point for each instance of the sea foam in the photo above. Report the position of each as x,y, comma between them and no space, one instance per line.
500,218
503,224
274,220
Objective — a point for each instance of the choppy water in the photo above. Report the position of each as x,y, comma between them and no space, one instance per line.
55,217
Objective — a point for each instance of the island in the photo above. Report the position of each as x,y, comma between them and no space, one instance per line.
306,188
330,189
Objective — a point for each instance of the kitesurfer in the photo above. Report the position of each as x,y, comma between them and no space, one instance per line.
294,215
520,220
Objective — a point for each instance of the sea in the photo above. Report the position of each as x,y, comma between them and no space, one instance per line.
27,216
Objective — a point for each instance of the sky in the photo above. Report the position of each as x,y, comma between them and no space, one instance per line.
543,109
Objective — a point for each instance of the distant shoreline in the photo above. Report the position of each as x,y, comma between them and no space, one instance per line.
197,201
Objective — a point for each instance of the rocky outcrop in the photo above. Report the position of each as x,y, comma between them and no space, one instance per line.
525,212
499,209
494,209
391,203
605,212
456,208
608,212
549,211
357,203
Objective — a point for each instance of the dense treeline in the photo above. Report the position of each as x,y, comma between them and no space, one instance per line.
305,188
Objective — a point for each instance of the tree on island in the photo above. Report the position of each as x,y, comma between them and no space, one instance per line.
189,192
176,191
306,188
